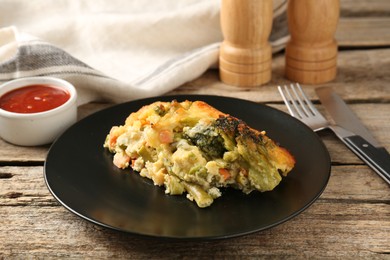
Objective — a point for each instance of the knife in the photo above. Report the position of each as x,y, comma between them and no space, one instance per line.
354,134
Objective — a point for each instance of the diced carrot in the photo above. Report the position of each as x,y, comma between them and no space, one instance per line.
132,163
166,136
112,141
244,172
113,136
225,173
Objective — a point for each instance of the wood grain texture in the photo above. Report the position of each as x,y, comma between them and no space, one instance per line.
363,32
33,224
361,75
359,8
54,232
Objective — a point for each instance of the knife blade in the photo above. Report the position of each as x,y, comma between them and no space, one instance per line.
342,114
354,134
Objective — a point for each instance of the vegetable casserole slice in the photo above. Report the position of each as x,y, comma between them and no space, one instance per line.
191,147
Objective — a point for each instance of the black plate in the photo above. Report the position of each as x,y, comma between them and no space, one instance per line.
80,175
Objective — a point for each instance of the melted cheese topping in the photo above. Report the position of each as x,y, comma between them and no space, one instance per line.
191,147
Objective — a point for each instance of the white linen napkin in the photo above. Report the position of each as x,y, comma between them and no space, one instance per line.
116,50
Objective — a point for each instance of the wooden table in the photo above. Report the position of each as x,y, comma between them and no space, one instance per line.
350,220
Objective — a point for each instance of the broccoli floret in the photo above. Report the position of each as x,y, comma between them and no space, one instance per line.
211,145
207,139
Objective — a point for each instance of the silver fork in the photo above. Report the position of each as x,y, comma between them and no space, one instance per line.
301,107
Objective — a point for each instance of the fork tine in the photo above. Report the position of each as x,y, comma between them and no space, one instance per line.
287,102
313,109
303,103
300,107
297,105
291,102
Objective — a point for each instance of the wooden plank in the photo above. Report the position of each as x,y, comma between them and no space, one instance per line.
366,8
22,155
325,230
356,183
33,225
24,186
362,24
363,32
360,76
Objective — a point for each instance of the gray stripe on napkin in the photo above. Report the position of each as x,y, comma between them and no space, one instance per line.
33,59
279,27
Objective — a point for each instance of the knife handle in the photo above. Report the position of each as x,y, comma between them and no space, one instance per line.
377,158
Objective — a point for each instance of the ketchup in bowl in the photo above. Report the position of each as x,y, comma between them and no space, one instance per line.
36,110
34,98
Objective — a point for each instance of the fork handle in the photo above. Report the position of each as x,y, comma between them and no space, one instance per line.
377,158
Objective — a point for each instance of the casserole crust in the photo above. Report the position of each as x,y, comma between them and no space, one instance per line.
191,147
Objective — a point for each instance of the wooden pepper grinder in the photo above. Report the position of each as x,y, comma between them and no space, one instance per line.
311,53
245,54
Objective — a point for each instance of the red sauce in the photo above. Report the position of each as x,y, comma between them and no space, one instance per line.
33,99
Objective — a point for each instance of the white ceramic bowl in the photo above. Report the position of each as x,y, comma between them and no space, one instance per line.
37,128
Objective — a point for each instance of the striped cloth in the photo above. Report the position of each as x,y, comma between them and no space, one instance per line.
116,50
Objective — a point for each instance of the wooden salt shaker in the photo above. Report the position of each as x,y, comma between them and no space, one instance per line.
311,53
245,54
